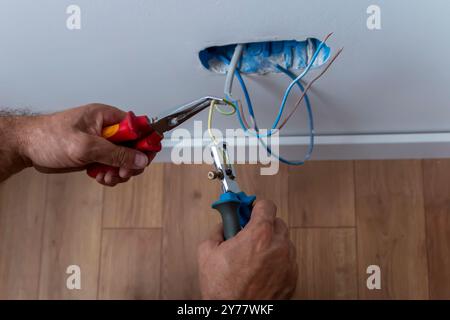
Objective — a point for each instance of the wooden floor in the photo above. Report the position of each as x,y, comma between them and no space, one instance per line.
138,240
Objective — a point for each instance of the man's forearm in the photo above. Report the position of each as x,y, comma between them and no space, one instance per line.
11,145
67,141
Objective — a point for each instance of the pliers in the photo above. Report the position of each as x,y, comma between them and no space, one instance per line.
234,205
145,134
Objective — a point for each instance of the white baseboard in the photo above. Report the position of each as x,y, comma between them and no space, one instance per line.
351,147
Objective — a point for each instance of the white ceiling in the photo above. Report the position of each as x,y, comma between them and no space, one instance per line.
143,55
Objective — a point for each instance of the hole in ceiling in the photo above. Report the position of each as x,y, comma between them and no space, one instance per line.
262,57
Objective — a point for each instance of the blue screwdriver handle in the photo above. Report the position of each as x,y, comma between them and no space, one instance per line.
235,209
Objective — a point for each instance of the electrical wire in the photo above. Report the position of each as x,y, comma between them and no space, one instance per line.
310,124
226,113
310,117
307,103
246,95
233,71
210,117
214,106
309,110
232,67
240,114
304,95
296,80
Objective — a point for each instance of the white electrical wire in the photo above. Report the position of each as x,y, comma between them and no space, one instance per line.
231,69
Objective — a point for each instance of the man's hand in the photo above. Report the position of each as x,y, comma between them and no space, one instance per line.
258,263
70,140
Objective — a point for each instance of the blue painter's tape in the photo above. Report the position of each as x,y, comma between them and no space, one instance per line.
262,57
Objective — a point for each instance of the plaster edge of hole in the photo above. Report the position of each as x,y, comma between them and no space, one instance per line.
262,57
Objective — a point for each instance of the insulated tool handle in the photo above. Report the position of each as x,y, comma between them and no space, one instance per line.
235,209
129,132
130,128
230,218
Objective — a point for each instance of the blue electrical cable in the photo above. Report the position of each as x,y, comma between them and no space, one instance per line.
252,114
295,80
310,121
246,95
288,89
310,124
238,75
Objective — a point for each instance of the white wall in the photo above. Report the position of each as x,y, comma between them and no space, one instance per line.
142,55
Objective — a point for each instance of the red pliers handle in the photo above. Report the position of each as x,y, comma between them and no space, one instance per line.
133,132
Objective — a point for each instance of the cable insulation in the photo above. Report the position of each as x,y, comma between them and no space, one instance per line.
231,68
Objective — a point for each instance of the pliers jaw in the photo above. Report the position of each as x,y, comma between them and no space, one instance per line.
224,170
180,114
235,206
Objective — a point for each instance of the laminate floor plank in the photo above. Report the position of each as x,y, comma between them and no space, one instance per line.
130,264
327,263
269,187
187,220
137,203
391,228
139,240
71,236
437,210
22,211
321,194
